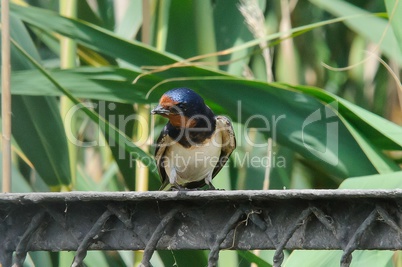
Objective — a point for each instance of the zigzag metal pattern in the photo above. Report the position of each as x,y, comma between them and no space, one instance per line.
199,220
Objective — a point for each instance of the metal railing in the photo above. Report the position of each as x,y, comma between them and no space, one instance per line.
214,220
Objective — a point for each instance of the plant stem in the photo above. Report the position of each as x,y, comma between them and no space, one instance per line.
141,171
205,30
289,72
163,23
6,95
143,135
68,51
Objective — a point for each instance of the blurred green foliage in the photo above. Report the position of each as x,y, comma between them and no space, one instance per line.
319,79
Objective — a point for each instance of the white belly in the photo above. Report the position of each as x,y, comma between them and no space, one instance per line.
184,165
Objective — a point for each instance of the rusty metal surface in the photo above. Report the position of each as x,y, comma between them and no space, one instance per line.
214,220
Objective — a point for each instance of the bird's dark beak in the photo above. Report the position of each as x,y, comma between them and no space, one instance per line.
160,110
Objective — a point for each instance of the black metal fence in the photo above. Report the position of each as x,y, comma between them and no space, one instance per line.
214,220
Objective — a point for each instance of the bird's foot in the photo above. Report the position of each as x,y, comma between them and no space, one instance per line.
177,187
212,187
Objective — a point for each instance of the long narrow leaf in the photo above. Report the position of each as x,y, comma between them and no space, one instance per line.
394,10
378,32
120,138
291,135
383,133
103,83
36,122
325,258
378,181
252,258
133,52
274,100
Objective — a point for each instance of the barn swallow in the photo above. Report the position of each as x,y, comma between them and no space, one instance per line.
194,145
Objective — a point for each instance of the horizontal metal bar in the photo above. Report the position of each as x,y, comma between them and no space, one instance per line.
290,219
199,194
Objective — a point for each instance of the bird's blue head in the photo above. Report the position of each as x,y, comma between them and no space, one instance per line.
181,104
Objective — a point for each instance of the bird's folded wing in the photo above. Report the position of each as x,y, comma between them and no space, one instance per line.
161,144
224,125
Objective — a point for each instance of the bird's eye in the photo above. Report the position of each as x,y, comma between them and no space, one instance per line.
181,106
